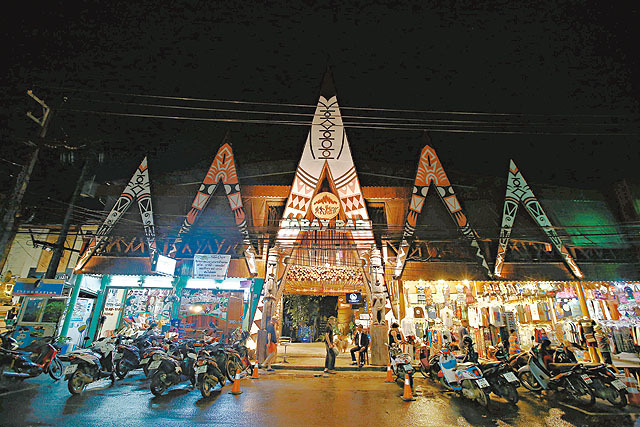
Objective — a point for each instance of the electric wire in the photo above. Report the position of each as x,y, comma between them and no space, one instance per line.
345,124
282,104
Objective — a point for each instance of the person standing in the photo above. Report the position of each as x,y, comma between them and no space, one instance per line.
463,331
271,345
361,340
330,360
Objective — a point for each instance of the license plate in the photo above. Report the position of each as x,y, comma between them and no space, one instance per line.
509,376
586,378
619,385
154,364
201,369
70,369
482,382
117,356
144,361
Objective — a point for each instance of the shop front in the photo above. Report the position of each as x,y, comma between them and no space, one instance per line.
599,320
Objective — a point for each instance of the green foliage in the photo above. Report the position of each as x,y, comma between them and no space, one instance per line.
303,309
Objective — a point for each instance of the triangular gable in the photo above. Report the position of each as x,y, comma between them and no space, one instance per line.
139,189
222,171
326,144
518,191
430,170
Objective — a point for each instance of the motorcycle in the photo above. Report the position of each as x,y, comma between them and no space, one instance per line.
501,376
605,385
565,377
464,378
40,356
89,365
428,365
401,363
173,369
206,371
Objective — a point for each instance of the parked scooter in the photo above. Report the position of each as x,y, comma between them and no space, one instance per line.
429,363
400,363
90,365
206,371
173,369
604,383
40,356
501,376
464,378
539,374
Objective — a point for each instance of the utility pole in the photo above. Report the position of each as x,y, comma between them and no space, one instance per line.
9,226
59,248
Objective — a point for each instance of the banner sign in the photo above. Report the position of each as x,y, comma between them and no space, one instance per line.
209,309
210,266
38,287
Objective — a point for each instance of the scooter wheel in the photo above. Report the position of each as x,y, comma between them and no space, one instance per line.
510,392
529,381
55,369
121,369
617,398
75,384
157,387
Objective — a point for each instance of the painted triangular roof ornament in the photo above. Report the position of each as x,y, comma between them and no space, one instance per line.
518,191
430,171
327,146
138,189
221,172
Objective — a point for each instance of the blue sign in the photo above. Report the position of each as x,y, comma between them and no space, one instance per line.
38,287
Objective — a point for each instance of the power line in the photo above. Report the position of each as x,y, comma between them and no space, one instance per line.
282,104
434,122
350,125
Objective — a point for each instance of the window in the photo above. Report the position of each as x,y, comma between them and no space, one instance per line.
43,310
53,310
33,310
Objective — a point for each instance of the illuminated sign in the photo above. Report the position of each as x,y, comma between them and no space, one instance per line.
325,206
324,224
354,298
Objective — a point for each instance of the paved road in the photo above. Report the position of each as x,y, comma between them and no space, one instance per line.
284,399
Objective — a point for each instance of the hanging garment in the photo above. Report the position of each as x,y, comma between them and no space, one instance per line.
446,315
527,313
520,312
559,311
575,308
535,314
485,316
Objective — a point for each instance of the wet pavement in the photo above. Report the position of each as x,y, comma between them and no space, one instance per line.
285,398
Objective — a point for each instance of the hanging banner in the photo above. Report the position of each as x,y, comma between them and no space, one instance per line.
210,266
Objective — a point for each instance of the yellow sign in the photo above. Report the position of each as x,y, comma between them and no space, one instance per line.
325,206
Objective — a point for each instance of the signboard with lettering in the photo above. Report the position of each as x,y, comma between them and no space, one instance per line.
38,287
210,266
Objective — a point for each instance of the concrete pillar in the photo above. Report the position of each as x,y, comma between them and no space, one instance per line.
379,351
72,303
97,311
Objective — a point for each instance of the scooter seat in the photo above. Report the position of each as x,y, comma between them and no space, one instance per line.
562,367
465,364
488,365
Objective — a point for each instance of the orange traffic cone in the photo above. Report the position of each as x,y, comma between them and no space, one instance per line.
407,396
254,375
236,384
389,375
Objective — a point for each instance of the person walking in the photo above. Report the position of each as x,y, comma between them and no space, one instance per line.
330,360
271,345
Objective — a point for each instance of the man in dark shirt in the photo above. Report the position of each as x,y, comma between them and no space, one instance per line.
361,341
330,360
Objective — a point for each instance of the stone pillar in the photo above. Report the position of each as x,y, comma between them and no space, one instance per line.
379,353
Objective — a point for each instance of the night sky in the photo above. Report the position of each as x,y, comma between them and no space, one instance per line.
565,67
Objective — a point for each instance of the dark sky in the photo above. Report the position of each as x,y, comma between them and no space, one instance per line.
561,67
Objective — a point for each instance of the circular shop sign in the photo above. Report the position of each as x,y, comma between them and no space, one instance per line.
325,206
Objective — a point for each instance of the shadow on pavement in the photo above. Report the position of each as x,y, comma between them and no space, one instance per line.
169,396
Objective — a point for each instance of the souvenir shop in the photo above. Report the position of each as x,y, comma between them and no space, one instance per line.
605,325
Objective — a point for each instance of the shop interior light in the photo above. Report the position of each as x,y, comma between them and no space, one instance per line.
465,282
